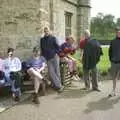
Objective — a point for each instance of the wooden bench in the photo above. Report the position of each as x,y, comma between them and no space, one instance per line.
66,78
27,83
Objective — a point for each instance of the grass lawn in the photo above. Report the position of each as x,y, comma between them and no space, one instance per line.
104,63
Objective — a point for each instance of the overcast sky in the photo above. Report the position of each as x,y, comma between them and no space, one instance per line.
106,7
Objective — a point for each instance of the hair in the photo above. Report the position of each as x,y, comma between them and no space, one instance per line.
87,33
117,29
36,49
10,50
70,37
46,28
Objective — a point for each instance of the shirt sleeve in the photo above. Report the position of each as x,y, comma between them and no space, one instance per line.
43,59
110,52
81,44
41,45
6,64
28,63
62,46
3,66
18,65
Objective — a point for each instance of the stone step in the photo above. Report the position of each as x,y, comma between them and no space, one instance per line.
26,88
27,83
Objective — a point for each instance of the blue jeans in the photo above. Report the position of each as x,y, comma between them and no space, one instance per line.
14,78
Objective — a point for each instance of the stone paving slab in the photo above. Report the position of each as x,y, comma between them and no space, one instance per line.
7,102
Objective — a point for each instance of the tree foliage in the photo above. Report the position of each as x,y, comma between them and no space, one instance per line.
103,26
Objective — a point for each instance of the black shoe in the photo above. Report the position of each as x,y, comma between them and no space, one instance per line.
17,99
60,90
112,94
86,88
96,89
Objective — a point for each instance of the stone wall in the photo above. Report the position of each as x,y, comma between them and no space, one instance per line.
19,22
84,11
22,22
59,18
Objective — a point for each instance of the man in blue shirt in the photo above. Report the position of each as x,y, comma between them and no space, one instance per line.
36,64
49,49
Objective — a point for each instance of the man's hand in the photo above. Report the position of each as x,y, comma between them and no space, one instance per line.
61,54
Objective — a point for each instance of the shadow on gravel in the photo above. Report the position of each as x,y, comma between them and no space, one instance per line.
49,91
73,93
102,105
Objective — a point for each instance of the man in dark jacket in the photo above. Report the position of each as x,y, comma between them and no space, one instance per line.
91,56
114,57
49,49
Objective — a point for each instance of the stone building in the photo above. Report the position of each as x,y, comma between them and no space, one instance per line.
22,21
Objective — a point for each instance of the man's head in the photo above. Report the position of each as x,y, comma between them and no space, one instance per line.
46,31
36,51
70,40
87,33
10,52
118,32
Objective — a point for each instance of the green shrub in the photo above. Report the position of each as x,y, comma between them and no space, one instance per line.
104,63
79,70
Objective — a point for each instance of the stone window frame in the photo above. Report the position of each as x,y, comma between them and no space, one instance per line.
68,23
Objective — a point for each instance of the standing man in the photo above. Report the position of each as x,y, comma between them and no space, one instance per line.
83,42
114,57
91,56
49,49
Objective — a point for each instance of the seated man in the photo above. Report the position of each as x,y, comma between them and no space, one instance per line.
66,50
12,73
36,64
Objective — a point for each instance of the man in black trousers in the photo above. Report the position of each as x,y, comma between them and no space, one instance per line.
91,56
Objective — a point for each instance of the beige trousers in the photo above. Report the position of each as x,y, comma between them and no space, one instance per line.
36,77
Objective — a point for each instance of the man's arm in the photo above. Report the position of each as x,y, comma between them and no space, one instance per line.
41,45
18,64
110,52
56,45
43,67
